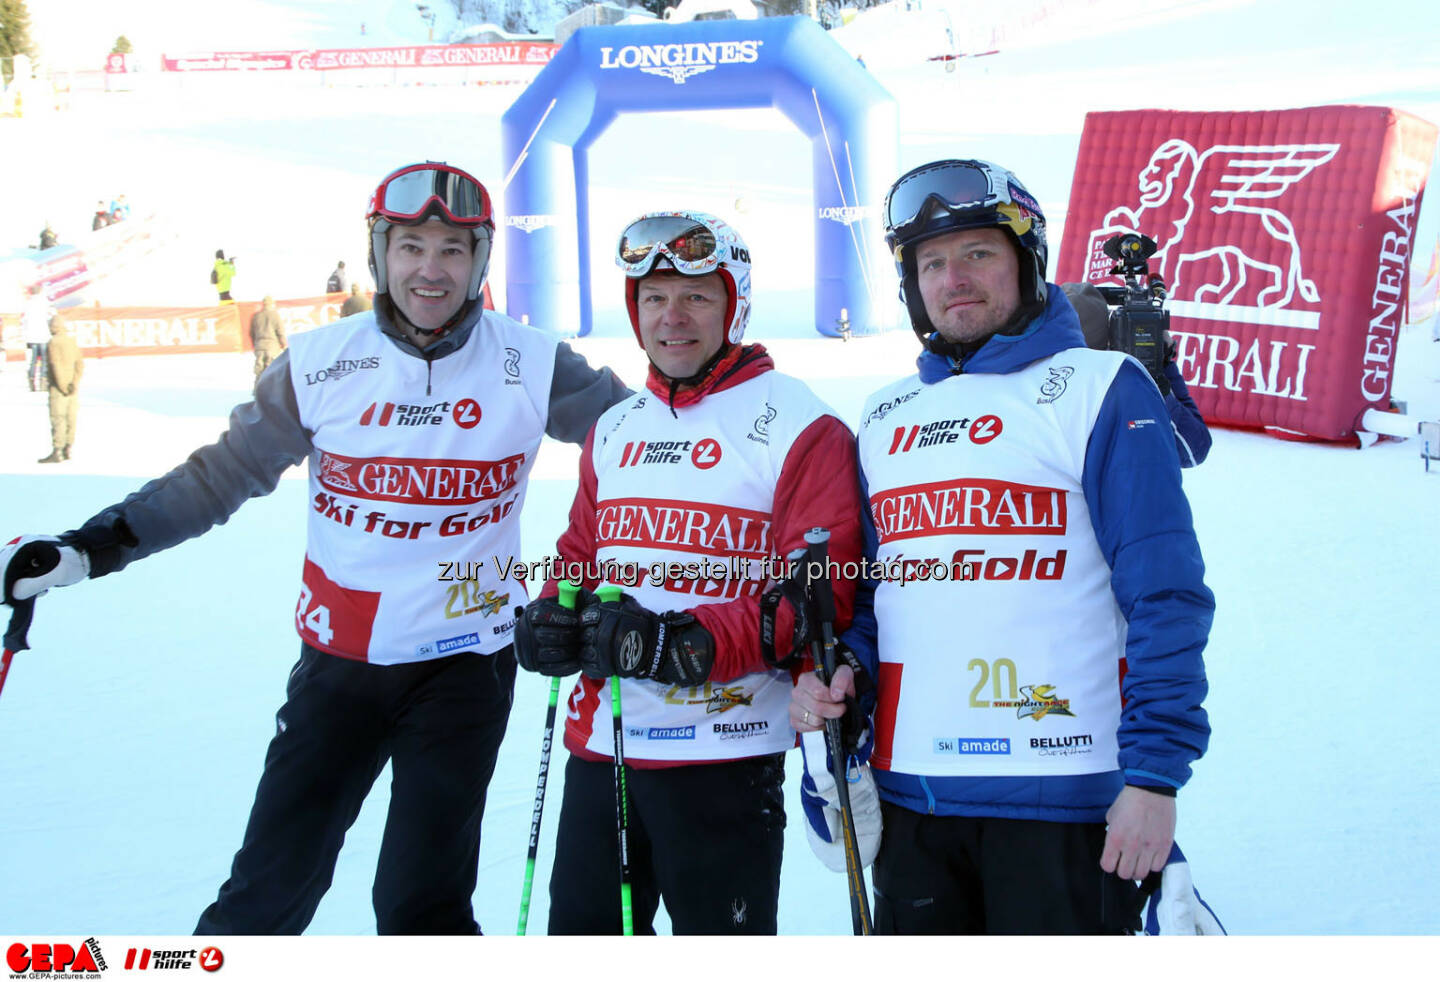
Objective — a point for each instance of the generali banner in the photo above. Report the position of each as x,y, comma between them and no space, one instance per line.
105,331
1284,240
326,59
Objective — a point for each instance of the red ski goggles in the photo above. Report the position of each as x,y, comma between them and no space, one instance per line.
407,195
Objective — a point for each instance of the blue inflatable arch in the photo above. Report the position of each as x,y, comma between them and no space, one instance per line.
788,63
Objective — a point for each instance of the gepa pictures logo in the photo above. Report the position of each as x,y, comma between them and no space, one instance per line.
679,62
44,959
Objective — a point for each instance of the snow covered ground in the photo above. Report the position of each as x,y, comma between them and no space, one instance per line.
135,730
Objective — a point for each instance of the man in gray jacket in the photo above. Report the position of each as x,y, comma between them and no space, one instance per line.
267,335
420,421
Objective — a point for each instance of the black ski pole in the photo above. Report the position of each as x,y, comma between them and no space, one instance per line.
821,599
611,594
568,592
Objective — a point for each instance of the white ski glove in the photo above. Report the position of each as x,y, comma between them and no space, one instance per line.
32,564
1177,907
822,806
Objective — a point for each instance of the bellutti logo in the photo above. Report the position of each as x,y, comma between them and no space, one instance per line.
678,62
531,223
44,959
1225,277
512,366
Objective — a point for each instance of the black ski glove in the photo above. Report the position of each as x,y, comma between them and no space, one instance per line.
623,638
547,635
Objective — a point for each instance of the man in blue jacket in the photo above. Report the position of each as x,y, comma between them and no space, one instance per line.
1036,628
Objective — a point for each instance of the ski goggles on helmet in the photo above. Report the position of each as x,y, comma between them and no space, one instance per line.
956,194
408,195
687,242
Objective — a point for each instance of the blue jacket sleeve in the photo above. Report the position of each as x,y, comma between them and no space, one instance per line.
1192,436
1143,523
264,439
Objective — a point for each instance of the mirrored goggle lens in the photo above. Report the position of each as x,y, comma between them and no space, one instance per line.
957,185
408,195
687,240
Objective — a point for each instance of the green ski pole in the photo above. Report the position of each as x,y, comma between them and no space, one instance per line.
568,592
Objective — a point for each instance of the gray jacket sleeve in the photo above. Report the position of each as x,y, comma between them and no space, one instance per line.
579,394
264,439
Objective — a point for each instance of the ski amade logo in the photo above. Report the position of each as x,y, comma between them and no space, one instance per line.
678,62
48,959
1246,265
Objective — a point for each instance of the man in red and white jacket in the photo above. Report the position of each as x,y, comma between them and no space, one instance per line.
689,494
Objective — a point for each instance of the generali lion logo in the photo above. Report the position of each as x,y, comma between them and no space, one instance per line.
335,473
1237,192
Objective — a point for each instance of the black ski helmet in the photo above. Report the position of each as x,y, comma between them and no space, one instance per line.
948,195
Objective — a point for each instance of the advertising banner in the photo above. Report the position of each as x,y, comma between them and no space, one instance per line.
1284,240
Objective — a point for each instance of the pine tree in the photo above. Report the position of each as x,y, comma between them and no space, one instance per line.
14,35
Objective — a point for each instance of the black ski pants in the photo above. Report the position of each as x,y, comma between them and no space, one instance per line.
944,874
706,837
439,723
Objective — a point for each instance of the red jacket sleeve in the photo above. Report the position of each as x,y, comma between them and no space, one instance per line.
817,487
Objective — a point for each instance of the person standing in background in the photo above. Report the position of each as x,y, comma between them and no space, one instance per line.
267,334
222,274
356,303
67,364
339,282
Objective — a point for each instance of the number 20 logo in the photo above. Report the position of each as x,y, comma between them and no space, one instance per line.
990,672
316,621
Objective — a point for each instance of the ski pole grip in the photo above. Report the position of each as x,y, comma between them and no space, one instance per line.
817,547
609,593
569,592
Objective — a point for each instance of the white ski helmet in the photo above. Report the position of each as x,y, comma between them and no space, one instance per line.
693,243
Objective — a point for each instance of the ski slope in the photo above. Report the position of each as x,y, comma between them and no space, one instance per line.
136,728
